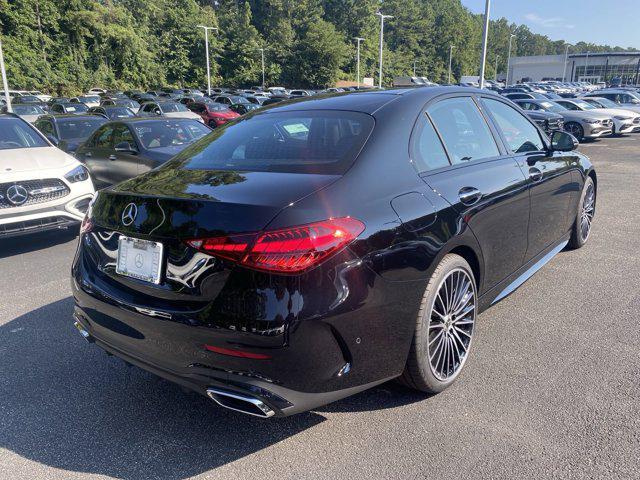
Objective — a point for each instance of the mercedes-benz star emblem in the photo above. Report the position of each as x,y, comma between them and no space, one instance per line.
139,260
129,214
17,194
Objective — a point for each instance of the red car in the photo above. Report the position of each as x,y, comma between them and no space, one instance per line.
213,114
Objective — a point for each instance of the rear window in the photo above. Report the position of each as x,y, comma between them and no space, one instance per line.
80,128
169,133
16,133
323,142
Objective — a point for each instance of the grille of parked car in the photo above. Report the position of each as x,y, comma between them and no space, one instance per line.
557,124
636,121
38,191
607,123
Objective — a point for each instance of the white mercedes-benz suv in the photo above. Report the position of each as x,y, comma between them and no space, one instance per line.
41,187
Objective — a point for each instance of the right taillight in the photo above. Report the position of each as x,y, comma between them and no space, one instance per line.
289,250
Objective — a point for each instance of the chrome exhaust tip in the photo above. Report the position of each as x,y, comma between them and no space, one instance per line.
86,335
240,403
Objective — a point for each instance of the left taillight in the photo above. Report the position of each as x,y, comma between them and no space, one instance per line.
288,250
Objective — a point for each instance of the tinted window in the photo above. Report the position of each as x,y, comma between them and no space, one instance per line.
463,129
15,133
520,134
102,138
121,133
298,142
81,128
27,110
173,107
169,133
427,150
45,127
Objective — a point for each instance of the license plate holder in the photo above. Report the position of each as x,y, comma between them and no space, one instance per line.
140,259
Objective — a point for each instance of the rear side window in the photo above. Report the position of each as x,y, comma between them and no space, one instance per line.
520,134
427,150
463,129
324,142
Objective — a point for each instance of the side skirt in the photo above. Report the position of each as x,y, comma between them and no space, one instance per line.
501,291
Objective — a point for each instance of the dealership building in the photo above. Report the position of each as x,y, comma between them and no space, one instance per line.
590,67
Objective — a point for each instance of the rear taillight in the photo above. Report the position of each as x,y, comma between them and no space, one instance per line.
289,250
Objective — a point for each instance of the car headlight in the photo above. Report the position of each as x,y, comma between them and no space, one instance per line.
78,174
620,117
591,120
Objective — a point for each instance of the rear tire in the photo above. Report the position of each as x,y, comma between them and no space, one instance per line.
581,230
212,124
444,328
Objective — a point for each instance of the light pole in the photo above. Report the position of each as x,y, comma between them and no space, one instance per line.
495,75
506,80
451,47
485,36
5,84
566,57
586,65
382,19
206,48
414,68
358,40
262,52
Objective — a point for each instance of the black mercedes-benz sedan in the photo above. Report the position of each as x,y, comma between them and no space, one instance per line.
319,247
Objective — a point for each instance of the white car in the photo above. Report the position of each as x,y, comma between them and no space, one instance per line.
167,109
624,121
41,187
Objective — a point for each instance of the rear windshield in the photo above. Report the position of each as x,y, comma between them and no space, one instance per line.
16,133
80,128
169,133
324,142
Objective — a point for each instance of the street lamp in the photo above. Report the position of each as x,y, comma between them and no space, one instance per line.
586,65
262,52
206,48
451,47
5,84
566,57
495,75
382,19
485,35
358,40
506,80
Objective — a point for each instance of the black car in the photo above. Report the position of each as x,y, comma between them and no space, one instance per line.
120,102
112,112
69,107
547,121
68,131
123,149
314,249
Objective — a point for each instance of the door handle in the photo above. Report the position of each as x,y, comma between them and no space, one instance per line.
535,174
469,195
112,157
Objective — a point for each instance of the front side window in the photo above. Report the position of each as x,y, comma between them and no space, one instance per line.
122,134
15,133
463,129
427,150
102,138
520,134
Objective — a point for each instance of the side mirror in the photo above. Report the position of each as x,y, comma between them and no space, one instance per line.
563,142
125,147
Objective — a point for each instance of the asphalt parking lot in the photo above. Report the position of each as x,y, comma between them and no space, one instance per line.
552,389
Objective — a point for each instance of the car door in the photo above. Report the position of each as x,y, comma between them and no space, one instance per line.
484,184
124,156
550,183
95,152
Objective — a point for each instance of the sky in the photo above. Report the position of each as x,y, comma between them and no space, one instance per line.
607,22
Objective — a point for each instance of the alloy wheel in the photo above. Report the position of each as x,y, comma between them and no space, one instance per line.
451,324
575,130
588,210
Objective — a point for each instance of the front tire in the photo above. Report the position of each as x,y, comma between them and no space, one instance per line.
586,211
444,328
575,129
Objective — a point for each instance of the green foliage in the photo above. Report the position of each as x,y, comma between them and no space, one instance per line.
68,46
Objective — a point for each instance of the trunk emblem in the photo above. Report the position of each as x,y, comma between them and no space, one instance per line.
129,214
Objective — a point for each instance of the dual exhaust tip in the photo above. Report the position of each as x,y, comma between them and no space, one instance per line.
230,400
240,403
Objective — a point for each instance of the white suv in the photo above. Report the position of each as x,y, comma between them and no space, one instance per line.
41,187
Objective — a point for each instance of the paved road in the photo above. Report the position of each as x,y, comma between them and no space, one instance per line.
552,390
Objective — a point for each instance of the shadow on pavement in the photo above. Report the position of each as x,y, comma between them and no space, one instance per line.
67,405
10,247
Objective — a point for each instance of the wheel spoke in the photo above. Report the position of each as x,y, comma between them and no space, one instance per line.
440,333
459,330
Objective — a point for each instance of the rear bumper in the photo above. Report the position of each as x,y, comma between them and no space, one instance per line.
277,400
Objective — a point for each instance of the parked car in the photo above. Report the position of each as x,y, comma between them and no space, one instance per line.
300,93
601,102
237,103
30,113
67,132
582,125
123,149
316,249
547,121
28,100
119,102
167,109
525,95
213,114
112,112
624,121
88,100
73,108
620,96
96,91
41,188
